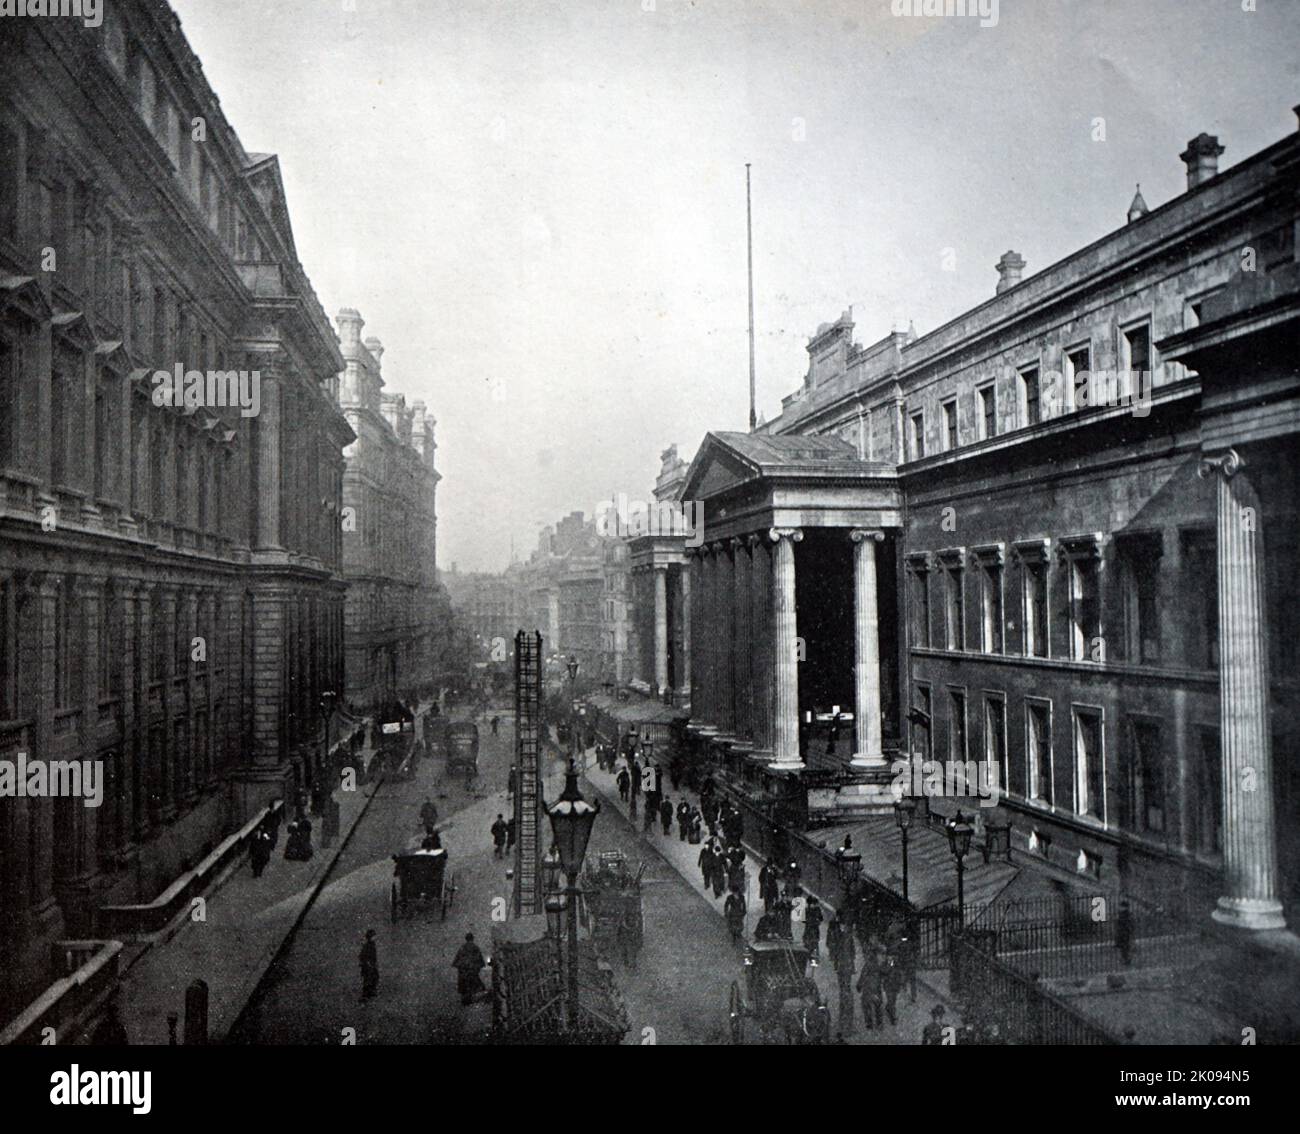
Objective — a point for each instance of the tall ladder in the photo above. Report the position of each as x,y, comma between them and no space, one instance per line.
528,773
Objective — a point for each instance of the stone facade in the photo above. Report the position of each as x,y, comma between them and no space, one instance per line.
396,610
1057,534
171,598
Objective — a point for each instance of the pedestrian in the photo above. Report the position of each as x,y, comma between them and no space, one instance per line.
891,981
845,980
369,958
869,985
468,963
812,926
737,883
734,912
934,1033
259,851
651,812
769,888
784,912
511,780
499,829
512,827
624,783
706,864
496,721
428,813
683,820
907,956
666,816
110,1032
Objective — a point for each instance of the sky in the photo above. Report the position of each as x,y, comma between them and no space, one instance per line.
539,205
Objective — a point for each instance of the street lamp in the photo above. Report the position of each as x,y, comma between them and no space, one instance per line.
573,668
904,811
553,898
959,836
572,818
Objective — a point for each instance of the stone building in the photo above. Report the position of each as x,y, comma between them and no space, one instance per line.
395,610
1056,535
171,598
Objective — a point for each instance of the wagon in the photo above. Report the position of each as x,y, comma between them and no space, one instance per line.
462,749
777,992
613,898
421,879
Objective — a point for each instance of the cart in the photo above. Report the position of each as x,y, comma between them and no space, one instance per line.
613,898
421,879
462,750
778,993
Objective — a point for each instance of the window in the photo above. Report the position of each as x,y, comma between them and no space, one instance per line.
918,436
1038,749
1139,564
919,576
991,607
65,689
1146,778
1078,378
1089,765
1033,580
957,724
1137,350
1200,596
10,379
950,424
1029,395
8,651
1081,555
61,396
1205,809
9,183
954,610
995,738
921,735
988,399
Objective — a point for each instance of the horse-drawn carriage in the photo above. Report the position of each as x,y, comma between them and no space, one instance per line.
462,750
420,880
778,993
613,898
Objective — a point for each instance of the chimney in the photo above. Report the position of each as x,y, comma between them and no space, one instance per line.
350,324
1009,269
376,348
1201,158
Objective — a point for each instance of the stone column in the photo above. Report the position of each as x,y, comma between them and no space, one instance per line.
742,648
786,730
1249,840
661,629
708,638
761,637
866,653
267,489
684,669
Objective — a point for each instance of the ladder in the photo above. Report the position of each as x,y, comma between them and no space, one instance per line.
528,773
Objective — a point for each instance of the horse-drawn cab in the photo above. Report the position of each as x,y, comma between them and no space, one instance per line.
777,991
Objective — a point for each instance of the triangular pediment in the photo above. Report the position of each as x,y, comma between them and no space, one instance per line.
263,176
717,467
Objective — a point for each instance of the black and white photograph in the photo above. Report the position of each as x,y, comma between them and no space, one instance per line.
706,523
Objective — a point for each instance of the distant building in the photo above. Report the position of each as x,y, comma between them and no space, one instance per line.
396,612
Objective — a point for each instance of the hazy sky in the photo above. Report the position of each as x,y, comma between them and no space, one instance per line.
539,205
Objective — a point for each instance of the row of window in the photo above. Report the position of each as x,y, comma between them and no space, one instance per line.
1034,403
1145,778
1139,635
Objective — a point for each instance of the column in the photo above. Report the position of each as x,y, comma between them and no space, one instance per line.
661,629
684,669
761,637
742,647
708,638
786,725
866,652
267,489
1249,841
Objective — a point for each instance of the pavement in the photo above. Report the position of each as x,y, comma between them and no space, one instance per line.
235,938
683,858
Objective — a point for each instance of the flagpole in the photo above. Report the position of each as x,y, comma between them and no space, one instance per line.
749,236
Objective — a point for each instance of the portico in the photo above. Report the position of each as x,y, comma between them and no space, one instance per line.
787,636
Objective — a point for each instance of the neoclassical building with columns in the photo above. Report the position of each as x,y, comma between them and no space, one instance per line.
1057,535
171,593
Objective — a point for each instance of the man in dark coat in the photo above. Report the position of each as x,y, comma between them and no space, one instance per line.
706,862
468,963
429,813
683,820
812,926
512,825
369,958
769,887
109,1032
734,912
666,815
259,851
499,829
891,981
869,985
651,811
932,1035
624,784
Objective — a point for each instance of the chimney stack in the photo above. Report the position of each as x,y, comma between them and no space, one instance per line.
376,348
1201,158
1009,269
350,324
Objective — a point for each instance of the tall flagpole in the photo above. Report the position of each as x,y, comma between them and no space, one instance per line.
749,235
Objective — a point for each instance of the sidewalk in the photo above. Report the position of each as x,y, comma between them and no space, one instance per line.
247,920
684,858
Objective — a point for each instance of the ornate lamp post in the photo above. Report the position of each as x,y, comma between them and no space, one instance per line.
572,818
959,835
904,812
573,668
